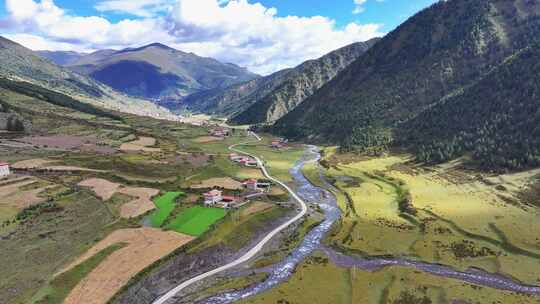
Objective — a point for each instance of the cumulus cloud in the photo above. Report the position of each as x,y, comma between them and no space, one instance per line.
141,8
248,34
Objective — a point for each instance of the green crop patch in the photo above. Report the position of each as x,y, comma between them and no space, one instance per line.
165,205
196,220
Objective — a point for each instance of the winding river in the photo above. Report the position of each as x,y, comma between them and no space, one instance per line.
283,270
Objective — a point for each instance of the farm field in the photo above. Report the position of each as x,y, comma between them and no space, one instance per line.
165,205
139,248
458,218
328,283
196,220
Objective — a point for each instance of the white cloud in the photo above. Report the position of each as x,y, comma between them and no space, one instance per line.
141,8
248,34
359,6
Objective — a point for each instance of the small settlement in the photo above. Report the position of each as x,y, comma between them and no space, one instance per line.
279,144
253,188
244,160
220,132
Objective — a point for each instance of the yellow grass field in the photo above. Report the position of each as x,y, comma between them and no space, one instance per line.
220,182
39,163
463,219
144,246
318,281
140,145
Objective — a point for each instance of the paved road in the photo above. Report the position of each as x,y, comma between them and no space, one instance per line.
253,251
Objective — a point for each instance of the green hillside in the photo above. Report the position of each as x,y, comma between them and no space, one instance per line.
438,52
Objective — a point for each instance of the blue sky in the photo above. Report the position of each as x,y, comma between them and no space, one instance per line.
264,35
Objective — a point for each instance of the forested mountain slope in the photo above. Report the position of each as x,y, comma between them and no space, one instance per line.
497,119
268,98
443,49
234,99
300,83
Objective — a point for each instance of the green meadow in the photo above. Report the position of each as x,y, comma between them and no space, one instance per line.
196,220
165,205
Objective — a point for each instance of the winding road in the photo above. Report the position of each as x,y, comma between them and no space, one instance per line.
257,248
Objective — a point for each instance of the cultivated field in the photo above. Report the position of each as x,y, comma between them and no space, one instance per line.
196,220
142,247
165,205
139,205
221,182
140,145
44,164
208,139
256,207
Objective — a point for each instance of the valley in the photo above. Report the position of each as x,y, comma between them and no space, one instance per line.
377,164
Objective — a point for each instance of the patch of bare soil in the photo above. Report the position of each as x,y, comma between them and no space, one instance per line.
139,206
208,139
140,145
12,194
103,188
144,247
256,207
38,163
220,182
31,163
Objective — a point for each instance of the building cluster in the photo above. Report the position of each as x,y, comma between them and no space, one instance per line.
216,198
4,170
279,144
244,160
220,132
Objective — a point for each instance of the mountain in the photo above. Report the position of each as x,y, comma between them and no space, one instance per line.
496,119
437,53
269,98
234,99
61,57
159,72
18,63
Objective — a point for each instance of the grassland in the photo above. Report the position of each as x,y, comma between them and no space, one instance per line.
165,205
317,280
196,220
462,219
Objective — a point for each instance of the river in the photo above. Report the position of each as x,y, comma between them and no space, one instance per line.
283,270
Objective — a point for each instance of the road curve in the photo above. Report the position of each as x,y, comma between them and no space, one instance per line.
257,248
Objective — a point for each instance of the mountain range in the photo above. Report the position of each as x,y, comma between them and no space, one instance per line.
154,71
425,80
267,99
19,64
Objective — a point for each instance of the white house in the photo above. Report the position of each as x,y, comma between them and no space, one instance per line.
213,197
4,169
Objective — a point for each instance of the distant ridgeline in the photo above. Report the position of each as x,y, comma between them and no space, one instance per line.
459,78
